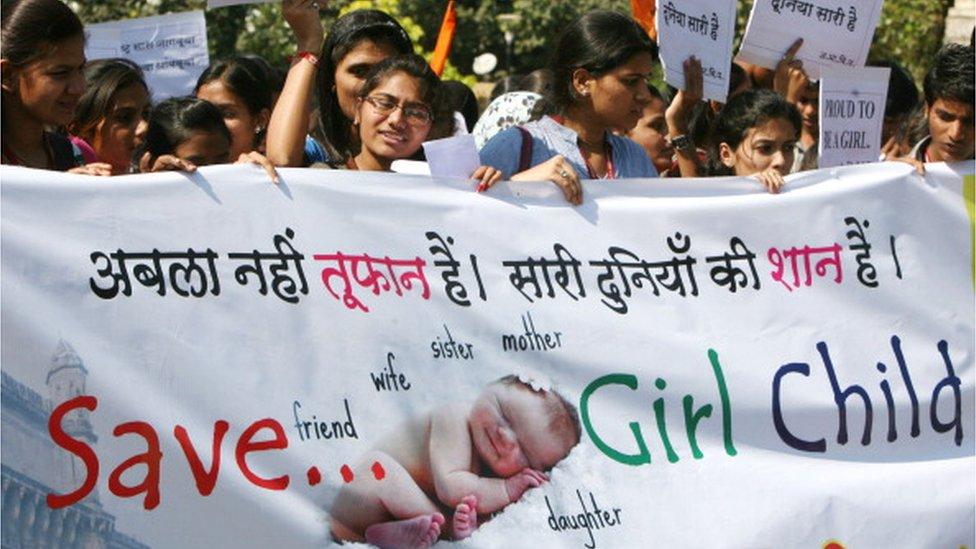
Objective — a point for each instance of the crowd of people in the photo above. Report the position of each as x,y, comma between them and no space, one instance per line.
356,97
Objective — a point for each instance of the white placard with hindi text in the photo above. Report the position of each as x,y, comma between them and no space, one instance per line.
703,28
834,33
852,105
171,49
102,43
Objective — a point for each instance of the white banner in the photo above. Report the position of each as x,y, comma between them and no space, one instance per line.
208,359
171,49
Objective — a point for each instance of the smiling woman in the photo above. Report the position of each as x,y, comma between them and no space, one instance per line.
42,53
332,70
395,111
396,108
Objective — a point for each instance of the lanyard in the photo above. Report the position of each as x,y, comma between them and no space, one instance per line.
611,171
607,150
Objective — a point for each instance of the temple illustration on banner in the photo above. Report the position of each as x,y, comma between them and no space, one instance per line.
33,466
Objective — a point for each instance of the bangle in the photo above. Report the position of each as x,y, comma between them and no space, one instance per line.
681,143
311,57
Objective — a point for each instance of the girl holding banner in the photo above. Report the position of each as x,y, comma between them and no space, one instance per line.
186,132
41,62
396,109
239,87
600,70
755,135
111,115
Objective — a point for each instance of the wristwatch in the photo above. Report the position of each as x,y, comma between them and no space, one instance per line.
681,143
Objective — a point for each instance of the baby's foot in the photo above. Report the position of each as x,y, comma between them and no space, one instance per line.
416,533
465,520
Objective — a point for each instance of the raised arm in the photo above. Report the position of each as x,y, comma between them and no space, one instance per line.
678,117
503,152
289,120
790,79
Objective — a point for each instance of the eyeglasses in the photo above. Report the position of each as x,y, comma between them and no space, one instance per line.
415,115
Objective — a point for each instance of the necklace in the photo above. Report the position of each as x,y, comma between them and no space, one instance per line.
606,149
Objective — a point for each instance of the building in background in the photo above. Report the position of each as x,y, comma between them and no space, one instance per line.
33,466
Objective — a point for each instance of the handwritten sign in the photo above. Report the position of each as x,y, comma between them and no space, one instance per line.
852,105
702,28
834,33
102,43
171,49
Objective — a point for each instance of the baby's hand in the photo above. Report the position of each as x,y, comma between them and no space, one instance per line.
520,482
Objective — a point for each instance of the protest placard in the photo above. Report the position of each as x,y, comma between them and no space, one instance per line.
171,49
182,348
102,42
703,28
834,33
852,106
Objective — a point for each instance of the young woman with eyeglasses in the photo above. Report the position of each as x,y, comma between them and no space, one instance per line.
330,69
397,106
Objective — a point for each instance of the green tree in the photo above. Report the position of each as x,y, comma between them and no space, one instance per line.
479,30
910,32
417,33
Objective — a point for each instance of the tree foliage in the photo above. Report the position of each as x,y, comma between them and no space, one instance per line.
910,31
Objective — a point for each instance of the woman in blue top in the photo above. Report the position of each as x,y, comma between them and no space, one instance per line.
600,68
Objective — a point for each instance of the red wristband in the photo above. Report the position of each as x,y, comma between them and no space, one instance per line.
311,57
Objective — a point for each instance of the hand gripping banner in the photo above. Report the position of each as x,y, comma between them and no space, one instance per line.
208,359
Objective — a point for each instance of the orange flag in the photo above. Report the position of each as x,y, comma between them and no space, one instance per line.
643,11
444,40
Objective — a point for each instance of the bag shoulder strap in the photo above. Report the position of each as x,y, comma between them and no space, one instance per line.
525,155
